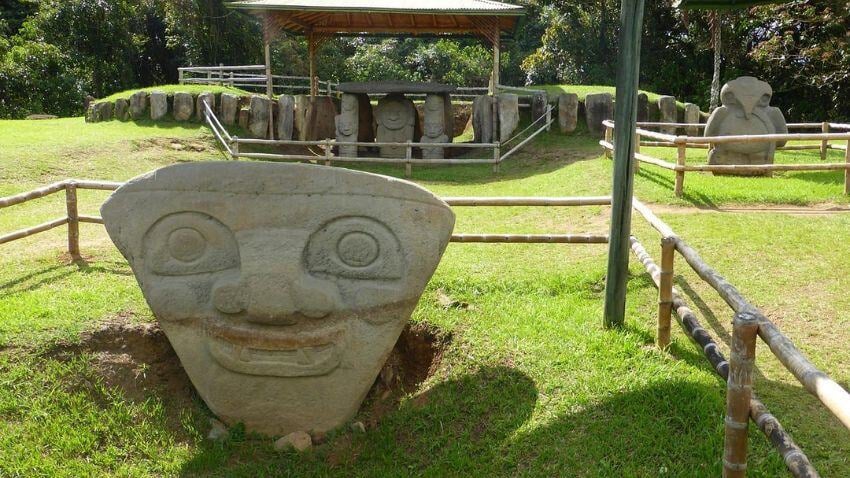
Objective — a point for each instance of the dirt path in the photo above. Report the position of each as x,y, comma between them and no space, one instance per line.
825,209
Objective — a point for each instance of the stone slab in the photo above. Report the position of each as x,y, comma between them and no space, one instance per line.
199,108
482,119
508,110
159,105
281,287
285,116
395,86
229,109
122,109
258,122
184,106
138,105
598,107
667,113
567,112
692,116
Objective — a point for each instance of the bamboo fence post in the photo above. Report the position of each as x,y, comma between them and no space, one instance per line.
637,151
234,147
73,220
548,118
739,391
847,171
497,158
680,175
408,166
665,291
327,152
824,144
609,134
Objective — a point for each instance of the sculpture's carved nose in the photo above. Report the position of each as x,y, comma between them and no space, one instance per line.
748,103
275,300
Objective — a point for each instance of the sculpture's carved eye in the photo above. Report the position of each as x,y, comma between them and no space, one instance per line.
188,243
354,248
764,100
728,98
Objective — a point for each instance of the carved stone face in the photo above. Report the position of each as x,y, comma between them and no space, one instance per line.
394,113
744,94
433,129
282,287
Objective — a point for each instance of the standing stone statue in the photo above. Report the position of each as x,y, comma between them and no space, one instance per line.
482,119
347,124
746,110
396,118
508,106
434,129
285,117
282,287
692,117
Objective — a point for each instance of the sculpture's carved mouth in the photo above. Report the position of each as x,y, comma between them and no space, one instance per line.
276,351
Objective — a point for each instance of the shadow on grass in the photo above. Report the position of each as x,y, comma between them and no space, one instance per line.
51,274
697,199
458,427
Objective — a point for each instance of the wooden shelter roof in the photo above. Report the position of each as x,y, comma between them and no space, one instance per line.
347,17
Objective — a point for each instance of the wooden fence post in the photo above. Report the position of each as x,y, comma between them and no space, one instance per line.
847,171
609,134
824,144
327,152
234,147
408,167
73,220
497,158
739,391
680,160
221,74
180,75
548,117
665,291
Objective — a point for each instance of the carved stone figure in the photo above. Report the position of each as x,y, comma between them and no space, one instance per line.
434,129
508,109
668,111
484,129
159,105
184,106
567,112
598,107
746,110
396,118
282,287
285,117
347,124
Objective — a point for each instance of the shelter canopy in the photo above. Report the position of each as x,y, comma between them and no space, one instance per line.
347,17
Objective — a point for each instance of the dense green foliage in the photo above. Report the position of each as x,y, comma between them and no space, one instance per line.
104,46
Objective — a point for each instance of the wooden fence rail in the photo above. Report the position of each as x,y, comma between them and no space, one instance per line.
683,143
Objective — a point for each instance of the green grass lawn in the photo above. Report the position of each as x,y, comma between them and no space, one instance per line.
530,384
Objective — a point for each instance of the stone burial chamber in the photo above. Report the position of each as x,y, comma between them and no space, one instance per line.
395,119
746,110
281,287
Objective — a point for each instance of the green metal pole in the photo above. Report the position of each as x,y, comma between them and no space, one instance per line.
625,116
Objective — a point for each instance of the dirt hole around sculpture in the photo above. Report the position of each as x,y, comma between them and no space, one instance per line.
136,360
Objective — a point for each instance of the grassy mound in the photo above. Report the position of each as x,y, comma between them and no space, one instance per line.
189,88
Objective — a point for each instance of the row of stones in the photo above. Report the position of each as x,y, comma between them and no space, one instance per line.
599,107
251,113
155,105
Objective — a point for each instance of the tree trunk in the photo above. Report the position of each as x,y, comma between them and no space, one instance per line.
715,23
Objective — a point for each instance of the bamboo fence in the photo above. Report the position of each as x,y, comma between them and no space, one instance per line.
749,324
829,132
742,403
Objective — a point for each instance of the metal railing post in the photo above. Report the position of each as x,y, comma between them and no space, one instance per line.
73,220
739,392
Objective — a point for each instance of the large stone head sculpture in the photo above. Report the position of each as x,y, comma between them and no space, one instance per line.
282,287
746,110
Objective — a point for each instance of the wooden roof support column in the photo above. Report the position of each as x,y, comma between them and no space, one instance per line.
311,55
269,31
494,88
